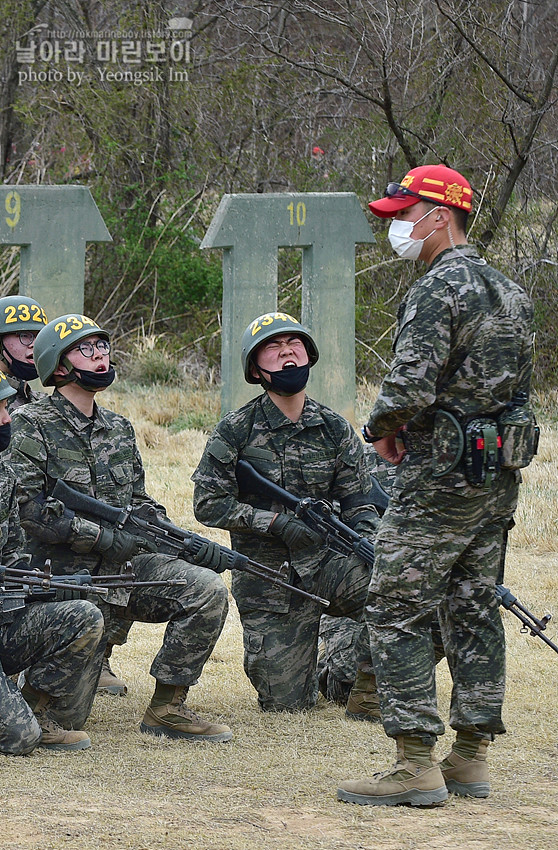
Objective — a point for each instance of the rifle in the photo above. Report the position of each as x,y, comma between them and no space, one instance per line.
34,585
144,521
19,587
318,514
531,624
43,584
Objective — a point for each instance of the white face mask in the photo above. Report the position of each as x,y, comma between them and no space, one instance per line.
403,244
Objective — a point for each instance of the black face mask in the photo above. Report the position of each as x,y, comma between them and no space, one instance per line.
92,381
286,381
5,434
22,370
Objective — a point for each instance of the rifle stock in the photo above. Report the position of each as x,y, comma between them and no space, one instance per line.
144,521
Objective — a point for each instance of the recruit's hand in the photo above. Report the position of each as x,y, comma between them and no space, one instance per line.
211,556
119,546
294,532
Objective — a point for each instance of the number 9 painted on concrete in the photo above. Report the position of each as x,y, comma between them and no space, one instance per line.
13,207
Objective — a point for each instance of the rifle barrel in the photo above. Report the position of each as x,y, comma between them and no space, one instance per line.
531,623
55,585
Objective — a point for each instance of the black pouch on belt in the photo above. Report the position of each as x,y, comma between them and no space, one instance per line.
483,452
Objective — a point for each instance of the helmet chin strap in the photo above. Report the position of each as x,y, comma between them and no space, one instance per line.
20,369
70,378
263,380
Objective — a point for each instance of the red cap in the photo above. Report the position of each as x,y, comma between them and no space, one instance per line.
435,183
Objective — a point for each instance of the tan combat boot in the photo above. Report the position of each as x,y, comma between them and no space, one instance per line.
464,769
172,719
413,780
53,736
109,683
364,701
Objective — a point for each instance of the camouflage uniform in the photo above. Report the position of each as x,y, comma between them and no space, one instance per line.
52,439
463,344
337,644
318,456
339,635
55,642
25,394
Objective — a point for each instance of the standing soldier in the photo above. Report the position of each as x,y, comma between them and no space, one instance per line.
310,451
68,436
55,642
445,417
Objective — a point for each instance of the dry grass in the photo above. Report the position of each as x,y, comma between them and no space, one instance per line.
273,786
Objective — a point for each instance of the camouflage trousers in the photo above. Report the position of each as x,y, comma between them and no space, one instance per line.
281,649
338,638
57,644
194,611
439,550
338,645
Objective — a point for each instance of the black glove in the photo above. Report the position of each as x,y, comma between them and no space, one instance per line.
119,546
295,533
81,579
211,556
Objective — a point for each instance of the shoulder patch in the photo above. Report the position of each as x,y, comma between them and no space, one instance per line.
32,448
219,450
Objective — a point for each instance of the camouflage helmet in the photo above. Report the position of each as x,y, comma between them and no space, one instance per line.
57,337
266,326
6,389
19,313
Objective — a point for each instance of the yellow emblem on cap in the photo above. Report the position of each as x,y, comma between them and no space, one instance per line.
454,194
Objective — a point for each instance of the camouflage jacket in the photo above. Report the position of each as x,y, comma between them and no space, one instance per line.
25,393
12,538
52,439
463,343
319,456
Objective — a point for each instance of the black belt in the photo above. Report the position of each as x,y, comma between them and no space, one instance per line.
416,441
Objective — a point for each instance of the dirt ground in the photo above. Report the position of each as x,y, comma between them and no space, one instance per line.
273,787
239,819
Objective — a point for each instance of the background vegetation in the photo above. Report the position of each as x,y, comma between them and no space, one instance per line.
341,95
292,95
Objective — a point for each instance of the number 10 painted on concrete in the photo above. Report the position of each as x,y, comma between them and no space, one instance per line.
250,229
